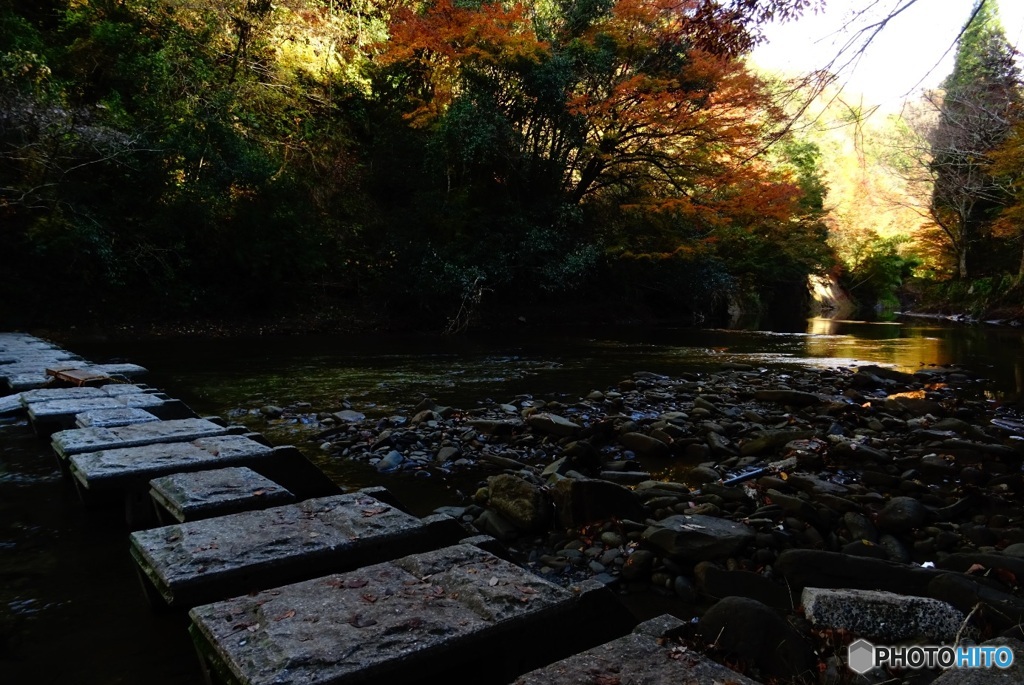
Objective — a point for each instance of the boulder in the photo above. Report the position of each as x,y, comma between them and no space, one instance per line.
815,568
580,501
522,503
751,631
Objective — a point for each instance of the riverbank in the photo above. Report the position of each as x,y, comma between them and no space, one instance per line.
745,483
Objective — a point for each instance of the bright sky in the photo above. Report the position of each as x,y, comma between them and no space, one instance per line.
897,59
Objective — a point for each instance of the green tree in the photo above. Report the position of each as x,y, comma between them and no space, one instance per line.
974,118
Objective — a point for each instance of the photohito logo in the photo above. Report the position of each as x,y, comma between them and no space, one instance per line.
862,656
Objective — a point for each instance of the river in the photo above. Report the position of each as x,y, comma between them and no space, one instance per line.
65,614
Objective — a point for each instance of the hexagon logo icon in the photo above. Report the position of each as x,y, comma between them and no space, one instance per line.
860,656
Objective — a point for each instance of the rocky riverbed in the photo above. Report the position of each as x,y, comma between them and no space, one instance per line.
794,510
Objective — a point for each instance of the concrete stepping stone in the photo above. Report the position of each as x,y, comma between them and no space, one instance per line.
201,561
204,494
36,373
80,440
648,655
122,475
448,615
21,401
131,468
109,418
47,417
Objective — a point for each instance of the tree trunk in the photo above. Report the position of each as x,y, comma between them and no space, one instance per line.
962,263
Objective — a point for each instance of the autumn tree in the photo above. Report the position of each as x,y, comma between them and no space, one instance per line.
631,105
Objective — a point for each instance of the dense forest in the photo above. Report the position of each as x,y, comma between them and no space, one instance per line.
447,161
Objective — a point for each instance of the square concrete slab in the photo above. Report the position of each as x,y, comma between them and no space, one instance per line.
53,415
200,561
204,494
444,616
107,418
130,468
80,440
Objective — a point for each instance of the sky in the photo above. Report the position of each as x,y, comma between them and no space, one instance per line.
900,57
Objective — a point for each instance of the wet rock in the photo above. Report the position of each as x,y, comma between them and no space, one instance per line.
522,503
698,538
754,632
349,416
901,515
882,616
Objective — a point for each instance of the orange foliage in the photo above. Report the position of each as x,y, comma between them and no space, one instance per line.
445,38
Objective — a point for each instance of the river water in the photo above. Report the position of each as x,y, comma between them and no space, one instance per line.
70,611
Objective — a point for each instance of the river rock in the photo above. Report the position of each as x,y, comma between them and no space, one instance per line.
391,461
447,453
718,582
644,445
772,439
882,616
580,501
901,515
349,416
553,424
698,537
816,568
1002,609
522,503
752,631
860,527
989,676
793,397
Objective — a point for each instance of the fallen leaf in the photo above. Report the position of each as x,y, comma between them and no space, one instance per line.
371,598
259,492
356,582
287,614
367,513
